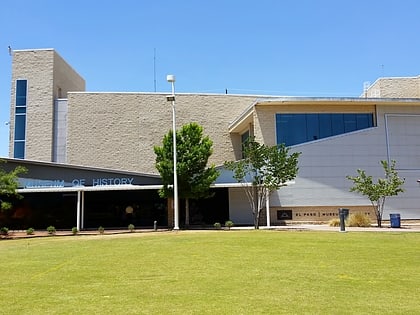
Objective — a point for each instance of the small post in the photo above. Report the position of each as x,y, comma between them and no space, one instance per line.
342,214
155,225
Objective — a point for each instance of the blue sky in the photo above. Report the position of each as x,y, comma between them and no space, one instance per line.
289,47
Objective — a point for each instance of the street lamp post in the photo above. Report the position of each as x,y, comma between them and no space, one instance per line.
171,79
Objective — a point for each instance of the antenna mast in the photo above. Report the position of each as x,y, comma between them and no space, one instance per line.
154,67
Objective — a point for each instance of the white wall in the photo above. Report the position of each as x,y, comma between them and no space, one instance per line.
324,164
239,209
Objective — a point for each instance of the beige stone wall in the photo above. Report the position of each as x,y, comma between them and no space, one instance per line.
119,130
36,66
45,70
395,88
66,79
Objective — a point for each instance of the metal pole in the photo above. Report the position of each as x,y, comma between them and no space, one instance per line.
176,218
78,210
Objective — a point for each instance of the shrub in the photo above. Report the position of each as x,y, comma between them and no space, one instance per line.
358,219
30,231
217,225
101,230
74,230
131,227
4,231
228,224
51,230
334,222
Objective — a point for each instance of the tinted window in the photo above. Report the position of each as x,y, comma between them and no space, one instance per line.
19,150
293,129
20,127
21,86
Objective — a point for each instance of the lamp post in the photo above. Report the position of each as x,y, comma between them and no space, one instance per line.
171,79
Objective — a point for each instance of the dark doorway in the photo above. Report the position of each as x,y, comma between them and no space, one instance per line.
207,211
40,210
121,208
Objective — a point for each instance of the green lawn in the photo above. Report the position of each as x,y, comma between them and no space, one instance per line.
213,272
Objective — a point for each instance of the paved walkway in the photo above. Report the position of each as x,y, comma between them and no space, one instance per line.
411,227
405,227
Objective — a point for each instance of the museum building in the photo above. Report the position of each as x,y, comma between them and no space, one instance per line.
90,155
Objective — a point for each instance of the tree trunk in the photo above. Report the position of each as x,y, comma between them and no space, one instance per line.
256,211
378,215
379,219
257,220
187,212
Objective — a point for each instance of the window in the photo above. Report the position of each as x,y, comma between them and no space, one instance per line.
21,87
20,119
244,139
300,128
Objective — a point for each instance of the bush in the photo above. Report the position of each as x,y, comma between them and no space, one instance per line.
217,225
358,219
228,224
30,231
334,222
51,230
101,230
131,227
74,230
4,231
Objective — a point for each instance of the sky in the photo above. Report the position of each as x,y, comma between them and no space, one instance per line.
265,47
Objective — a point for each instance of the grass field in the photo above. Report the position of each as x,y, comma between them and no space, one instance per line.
213,272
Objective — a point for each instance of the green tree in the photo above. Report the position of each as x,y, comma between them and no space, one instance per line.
377,192
9,185
193,151
263,169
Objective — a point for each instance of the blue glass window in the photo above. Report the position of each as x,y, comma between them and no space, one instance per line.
20,119
20,127
244,139
300,128
19,150
21,92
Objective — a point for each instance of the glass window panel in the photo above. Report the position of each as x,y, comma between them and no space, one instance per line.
19,150
244,139
20,127
349,122
362,121
325,128
312,127
20,110
337,123
21,86
299,128
20,101
281,128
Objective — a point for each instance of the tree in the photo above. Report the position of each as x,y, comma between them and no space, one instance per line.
194,177
263,170
379,191
9,185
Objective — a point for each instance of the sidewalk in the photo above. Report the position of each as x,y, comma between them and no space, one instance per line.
411,227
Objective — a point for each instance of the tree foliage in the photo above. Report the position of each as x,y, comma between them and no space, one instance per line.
193,175
9,185
263,170
377,192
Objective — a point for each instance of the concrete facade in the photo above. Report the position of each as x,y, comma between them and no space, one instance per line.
408,87
119,130
49,78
